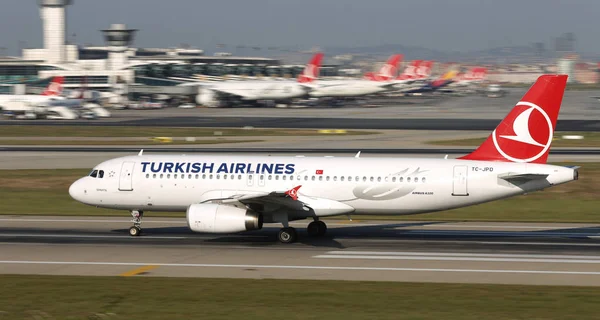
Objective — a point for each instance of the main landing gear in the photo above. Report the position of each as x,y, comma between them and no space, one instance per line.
288,234
137,223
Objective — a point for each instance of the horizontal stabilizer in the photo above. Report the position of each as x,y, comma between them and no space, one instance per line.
522,176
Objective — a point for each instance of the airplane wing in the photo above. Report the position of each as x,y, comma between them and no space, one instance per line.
290,200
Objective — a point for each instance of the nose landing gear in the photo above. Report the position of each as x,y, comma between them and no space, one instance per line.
136,229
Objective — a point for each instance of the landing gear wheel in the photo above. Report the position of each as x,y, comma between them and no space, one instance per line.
322,228
316,228
287,235
135,231
137,223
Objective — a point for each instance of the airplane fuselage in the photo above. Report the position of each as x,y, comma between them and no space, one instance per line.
393,186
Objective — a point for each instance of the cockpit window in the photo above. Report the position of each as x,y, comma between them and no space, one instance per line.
101,174
94,174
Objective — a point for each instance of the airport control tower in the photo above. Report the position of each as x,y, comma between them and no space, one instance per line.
118,38
52,13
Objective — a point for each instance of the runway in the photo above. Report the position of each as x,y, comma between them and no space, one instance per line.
516,253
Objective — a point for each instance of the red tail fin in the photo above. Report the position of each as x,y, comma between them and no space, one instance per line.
424,69
526,133
311,71
411,70
55,87
387,71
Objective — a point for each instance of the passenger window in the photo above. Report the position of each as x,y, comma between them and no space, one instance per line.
169,176
292,178
210,177
365,179
224,177
327,178
147,175
372,179
154,176
393,179
218,176
284,177
276,177
423,179
233,177
378,179
161,175
321,178
197,175
416,179
401,179
189,176
408,179
341,178
175,176
357,178
240,177
269,177
312,178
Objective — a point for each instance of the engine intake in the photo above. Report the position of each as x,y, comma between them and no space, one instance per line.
218,218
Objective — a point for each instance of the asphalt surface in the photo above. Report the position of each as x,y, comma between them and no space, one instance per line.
516,253
311,123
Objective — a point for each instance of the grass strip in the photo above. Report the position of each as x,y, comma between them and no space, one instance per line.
590,139
77,297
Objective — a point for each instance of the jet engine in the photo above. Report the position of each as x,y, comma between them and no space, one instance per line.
218,218
208,98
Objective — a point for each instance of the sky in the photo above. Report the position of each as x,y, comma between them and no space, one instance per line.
457,25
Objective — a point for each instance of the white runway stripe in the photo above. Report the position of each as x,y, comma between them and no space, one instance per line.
429,258
461,254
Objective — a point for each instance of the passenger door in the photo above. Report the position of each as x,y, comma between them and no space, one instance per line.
459,183
126,176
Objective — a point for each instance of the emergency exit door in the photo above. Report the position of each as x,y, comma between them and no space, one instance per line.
459,184
126,177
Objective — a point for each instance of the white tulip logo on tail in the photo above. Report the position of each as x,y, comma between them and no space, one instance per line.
522,134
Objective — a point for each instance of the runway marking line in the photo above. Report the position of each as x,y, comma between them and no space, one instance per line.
138,271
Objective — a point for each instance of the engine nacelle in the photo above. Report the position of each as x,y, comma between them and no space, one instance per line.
208,98
218,218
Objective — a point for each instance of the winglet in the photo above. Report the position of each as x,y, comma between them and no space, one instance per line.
357,155
141,152
293,193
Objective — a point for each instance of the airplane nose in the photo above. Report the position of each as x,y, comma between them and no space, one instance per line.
76,190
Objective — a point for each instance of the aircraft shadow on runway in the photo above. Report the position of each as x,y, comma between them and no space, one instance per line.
341,237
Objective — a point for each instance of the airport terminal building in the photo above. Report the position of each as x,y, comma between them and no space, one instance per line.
117,63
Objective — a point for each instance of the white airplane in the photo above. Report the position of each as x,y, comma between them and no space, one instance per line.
19,104
219,94
370,84
229,194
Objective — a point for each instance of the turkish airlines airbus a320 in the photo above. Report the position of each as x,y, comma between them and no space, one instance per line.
229,194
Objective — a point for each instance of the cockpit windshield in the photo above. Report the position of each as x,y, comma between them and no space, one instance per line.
97,174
